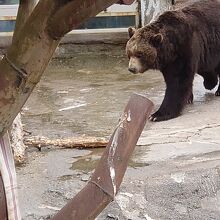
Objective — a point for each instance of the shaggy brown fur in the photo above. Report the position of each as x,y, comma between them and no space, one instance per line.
179,43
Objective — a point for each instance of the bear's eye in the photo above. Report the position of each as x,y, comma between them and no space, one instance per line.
139,55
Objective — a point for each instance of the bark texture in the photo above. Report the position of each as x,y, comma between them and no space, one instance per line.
33,46
24,11
16,132
28,56
17,140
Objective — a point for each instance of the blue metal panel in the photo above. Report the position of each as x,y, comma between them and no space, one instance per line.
109,22
93,23
7,26
9,2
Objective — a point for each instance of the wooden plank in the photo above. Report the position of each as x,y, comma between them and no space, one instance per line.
106,180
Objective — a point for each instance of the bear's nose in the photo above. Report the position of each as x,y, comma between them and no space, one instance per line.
132,69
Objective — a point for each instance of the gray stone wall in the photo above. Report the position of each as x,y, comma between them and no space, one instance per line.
151,9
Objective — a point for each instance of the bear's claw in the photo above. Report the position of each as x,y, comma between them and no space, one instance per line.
158,116
157,119
151,118
190,99
217,93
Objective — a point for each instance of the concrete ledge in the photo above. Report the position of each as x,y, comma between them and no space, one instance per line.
108,36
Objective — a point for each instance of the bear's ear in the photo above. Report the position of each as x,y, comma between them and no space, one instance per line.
131,31
157,39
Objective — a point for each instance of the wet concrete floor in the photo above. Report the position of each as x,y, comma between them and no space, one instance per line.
174,172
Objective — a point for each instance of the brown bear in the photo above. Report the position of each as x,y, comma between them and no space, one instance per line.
179,43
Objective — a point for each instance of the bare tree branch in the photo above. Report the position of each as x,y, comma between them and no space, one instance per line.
38,39
74,13
24,11
31,55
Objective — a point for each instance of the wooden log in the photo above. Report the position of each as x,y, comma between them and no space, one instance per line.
74,142
105,181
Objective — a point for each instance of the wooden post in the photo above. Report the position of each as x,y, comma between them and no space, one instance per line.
105,182
3,207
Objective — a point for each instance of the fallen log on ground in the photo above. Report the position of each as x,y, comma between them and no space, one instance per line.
74,142
105,182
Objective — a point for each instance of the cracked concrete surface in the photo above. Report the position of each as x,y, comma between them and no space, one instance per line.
174,173
182,177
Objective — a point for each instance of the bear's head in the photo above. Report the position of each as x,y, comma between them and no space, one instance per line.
142,49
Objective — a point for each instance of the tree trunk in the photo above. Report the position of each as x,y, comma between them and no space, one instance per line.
29,55
16,131
32,48
24,11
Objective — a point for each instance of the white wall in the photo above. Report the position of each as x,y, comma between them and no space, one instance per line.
8,10
123,8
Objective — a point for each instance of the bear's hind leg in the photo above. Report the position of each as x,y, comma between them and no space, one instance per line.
217,93
210,80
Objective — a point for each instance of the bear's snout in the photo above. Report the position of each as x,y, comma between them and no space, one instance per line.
132,70
135,65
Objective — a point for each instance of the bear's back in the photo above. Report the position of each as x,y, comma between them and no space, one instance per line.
205,11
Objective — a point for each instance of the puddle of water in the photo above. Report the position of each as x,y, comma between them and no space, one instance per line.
89,162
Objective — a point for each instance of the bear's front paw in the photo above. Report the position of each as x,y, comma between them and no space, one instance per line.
160,116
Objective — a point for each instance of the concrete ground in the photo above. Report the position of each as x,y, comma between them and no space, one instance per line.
174,172
181,176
